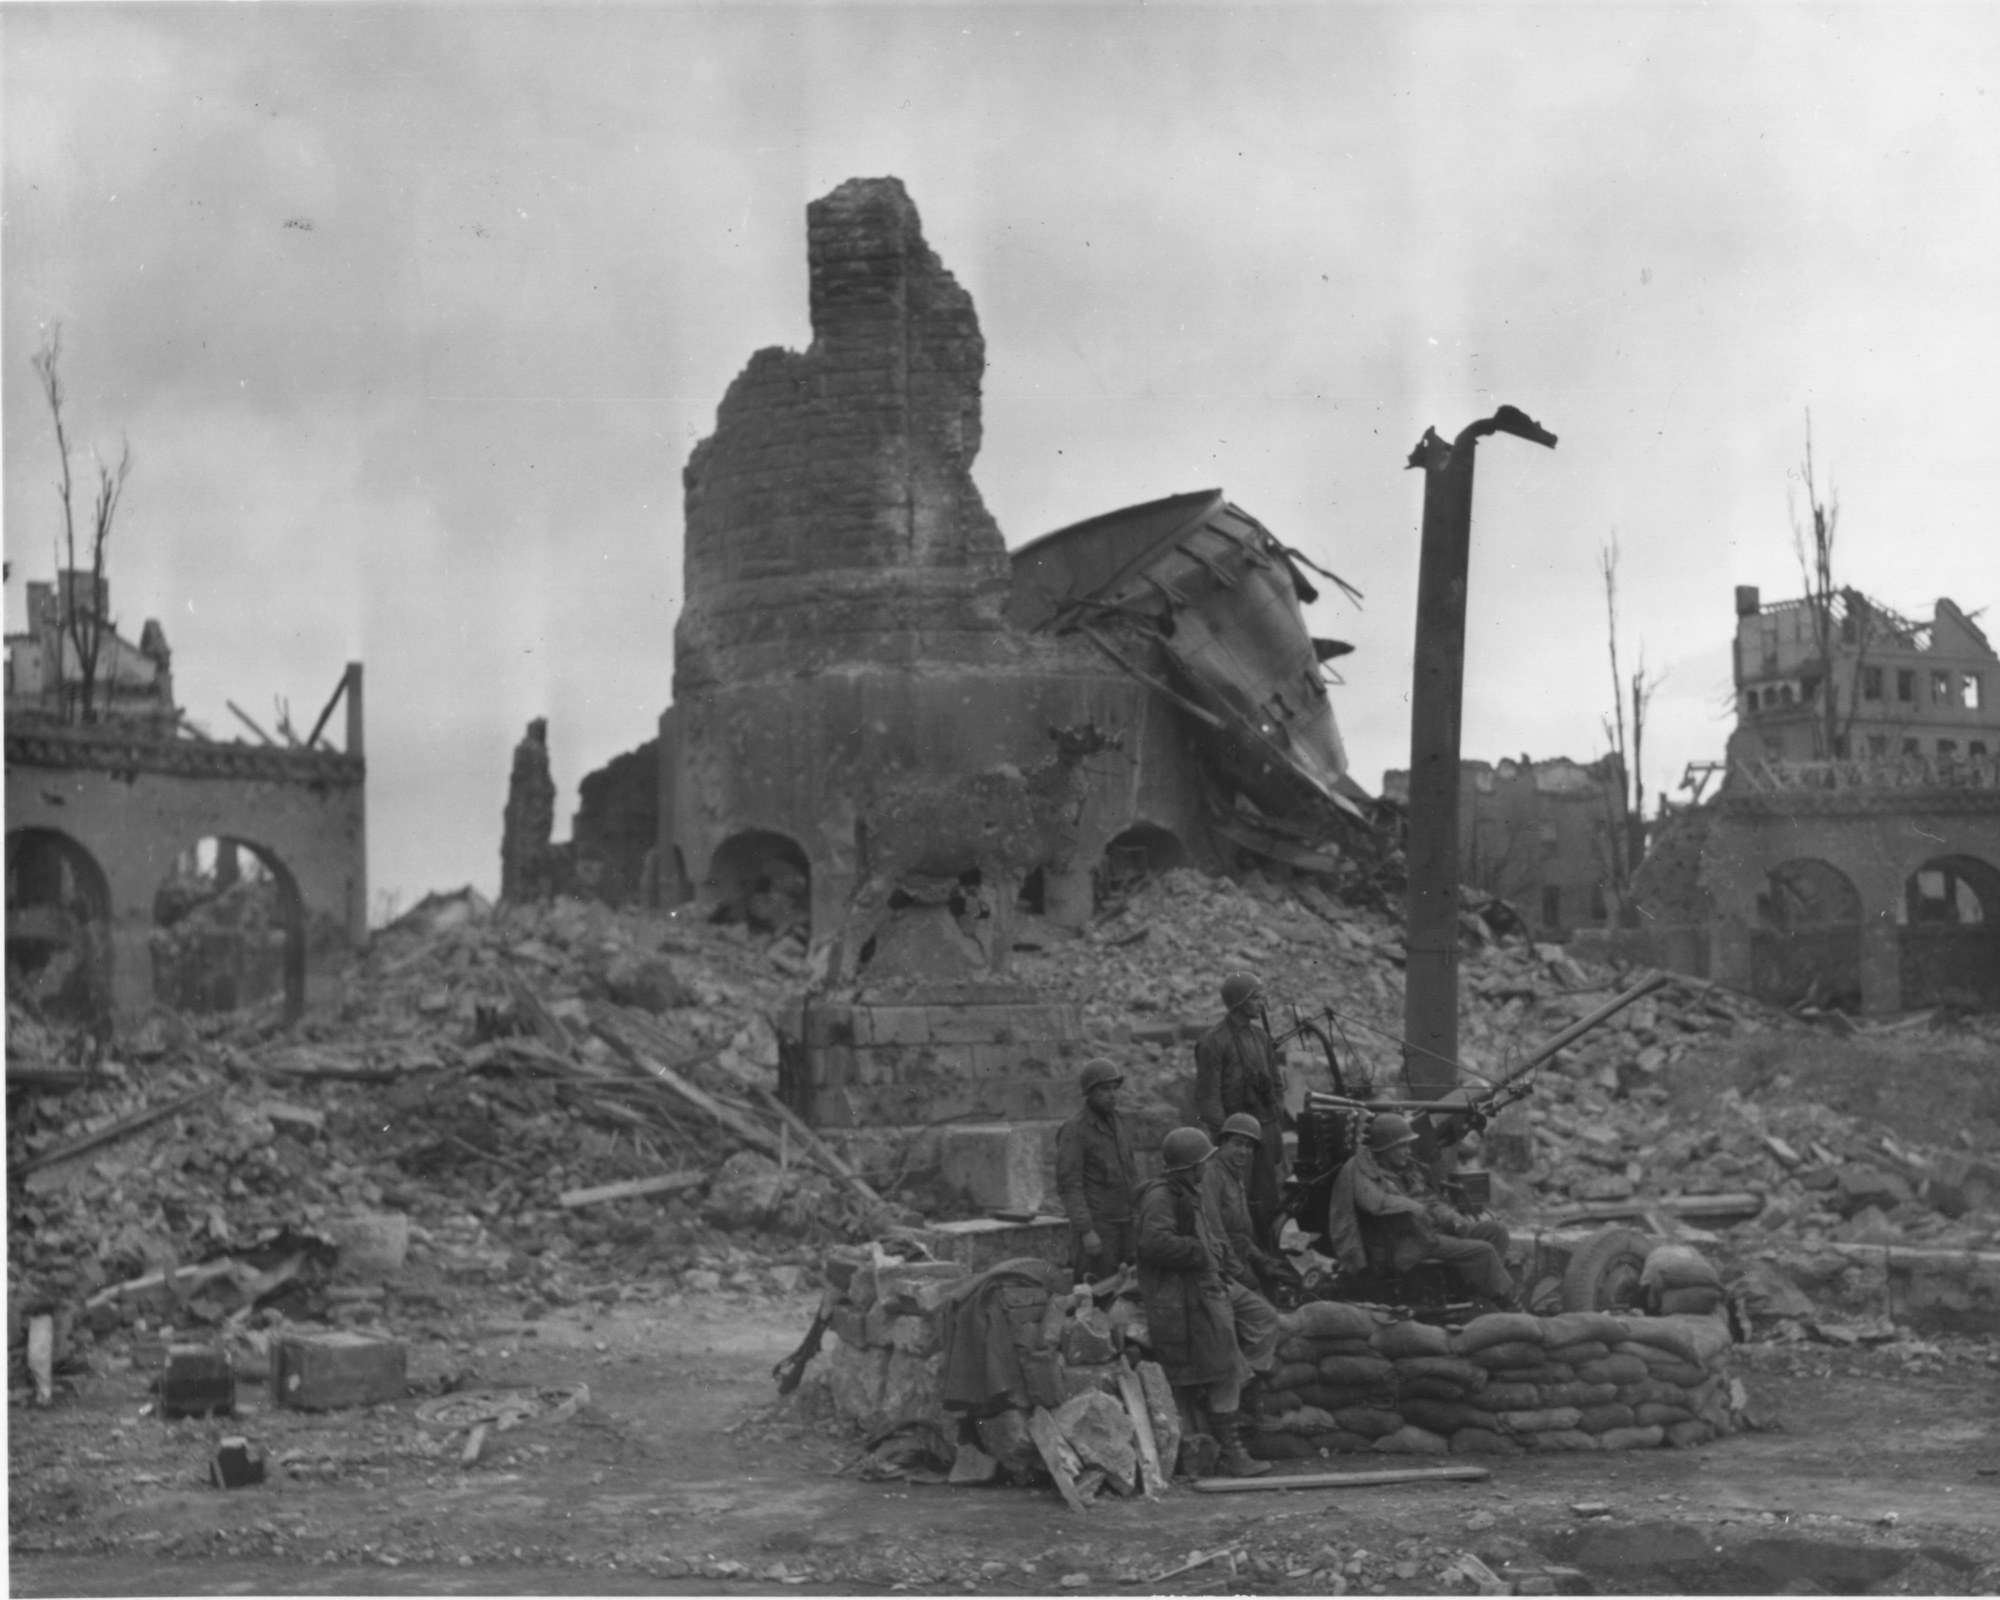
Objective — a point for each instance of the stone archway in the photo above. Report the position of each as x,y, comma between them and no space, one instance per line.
1950,934
762,880
1140,851
229,930
1807,943
58,927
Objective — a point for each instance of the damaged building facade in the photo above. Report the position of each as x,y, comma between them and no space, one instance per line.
145,862
1852,856
886,729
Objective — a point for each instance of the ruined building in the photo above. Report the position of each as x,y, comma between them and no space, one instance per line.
147,862
886,730
1540,834
1866,875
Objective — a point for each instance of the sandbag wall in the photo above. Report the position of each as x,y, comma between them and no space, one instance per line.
1349,1380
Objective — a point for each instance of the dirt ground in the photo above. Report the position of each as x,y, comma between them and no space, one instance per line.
684,1474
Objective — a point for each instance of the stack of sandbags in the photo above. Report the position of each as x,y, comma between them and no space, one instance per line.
1348,1379
1681,1281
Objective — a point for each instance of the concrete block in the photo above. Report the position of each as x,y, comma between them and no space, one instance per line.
372,1244
197,1381
994,1165
327,1371
897,1282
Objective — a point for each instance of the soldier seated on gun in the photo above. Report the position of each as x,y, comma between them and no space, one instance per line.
1386,1211
1208,1330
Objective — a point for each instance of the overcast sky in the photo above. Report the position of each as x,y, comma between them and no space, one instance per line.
412,314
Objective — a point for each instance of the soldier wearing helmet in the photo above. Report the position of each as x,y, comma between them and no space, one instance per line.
1386,1213
1209,1331
1095,1175
1250,1263
1238,1071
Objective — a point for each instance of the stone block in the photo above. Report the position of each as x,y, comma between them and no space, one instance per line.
1005,1438
982,1242
856,1376
1099,1430
898,1284
372,1244
1100,1379
973,1466
994,1165
1087,1339
1041,1372
916,1336
850,1325
876,1323
912,1388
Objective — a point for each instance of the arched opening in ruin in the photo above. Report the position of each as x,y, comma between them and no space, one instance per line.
1951,933
1807,945
229,931
763,881
58,928
1140,852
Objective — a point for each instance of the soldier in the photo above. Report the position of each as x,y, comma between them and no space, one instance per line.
1384,1194
1208,1331
1095,1175
1251,1264
1237,1069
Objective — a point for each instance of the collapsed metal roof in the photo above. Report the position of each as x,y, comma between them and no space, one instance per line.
1197,590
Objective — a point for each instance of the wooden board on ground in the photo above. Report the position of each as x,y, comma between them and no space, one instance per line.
1164,1414
1133,1393
1345,1480
1064,1465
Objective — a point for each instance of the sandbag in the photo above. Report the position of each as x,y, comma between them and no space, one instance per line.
1359,1371
1583,1350
1448,1416
1661,1334
1299,1348
1274,1402
1467,1374
1678,1266
1498,1327
1328,1319
1503,1395
1430,1389
1580,1394
1686,1435
1341,1442
1511,1353
1413,1442
1614,1369
1683,1375
1655,1415
1562,1439
1632,1438
1373,1421
1402,1340
1654,1391
1550,1419
1576,1327
1290,1374
1696,1300
1483,1442
1277,1447
1339,1396
1602,1419
1708,1335
1306,1419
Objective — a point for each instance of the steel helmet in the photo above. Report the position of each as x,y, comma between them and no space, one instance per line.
1096,1071
1388,1130
1244,1126
1185,1148
1240,988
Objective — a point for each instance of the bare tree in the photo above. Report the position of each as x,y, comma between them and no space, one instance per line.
1628,825
83,621
1815,555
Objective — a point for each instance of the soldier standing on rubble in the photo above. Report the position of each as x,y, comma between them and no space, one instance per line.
1237,1070
1095,1176
1208,1331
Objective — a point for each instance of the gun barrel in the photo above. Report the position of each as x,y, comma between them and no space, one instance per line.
1466,1099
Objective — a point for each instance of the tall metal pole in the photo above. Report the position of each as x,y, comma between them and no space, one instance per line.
1430,996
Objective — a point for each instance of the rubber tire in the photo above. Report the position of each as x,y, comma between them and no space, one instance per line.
1604,1274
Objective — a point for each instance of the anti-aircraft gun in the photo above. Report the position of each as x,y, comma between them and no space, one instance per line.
1601,1274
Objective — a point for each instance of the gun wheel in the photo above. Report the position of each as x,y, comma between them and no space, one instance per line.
1604,1274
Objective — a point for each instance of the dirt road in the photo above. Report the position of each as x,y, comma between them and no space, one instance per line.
682,1475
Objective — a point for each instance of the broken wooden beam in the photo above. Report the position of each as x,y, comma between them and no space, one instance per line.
1058,1455
1133,1393
1344,1480
120,1129
1743,1204
630,1189
818,1147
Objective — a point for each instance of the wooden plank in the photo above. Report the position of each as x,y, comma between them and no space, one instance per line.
631,1188
1344,1480
1165,1415
42,1357
1133,1393
1064,1464
818,1147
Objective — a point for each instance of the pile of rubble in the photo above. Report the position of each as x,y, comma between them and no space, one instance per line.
549,1097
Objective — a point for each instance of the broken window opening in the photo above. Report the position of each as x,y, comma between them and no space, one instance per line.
1972,691
58,928
1135,855
1871,683
1940,688
1551,905
228,932
1906,687
762,880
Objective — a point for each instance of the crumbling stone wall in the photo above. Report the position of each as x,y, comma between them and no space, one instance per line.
527,866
